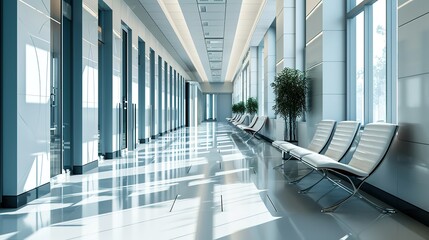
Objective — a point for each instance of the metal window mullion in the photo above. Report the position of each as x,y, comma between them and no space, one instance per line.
391,61
368,88
350,5
351,69
354,11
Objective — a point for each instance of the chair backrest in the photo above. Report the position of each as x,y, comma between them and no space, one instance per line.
373,145
241,120
236,117
345,133
321,136
259,124
255,118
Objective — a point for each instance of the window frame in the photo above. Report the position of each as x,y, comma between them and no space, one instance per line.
353,11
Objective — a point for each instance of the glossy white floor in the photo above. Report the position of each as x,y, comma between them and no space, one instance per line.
199,183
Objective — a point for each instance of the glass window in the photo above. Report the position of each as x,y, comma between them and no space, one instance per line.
379,61
368,48
360,68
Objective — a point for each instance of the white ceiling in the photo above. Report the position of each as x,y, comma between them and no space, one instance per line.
211,36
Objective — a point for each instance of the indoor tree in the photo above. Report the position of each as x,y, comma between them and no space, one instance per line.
290,89
251,106
241,107
234,108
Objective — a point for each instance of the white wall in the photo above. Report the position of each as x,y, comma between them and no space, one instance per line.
208,87
224,101
89,82
406,172
33,133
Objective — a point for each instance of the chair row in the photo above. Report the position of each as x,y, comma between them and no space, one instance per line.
254,126
372,147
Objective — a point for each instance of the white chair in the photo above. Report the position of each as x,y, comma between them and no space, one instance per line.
341,142
231,118
256,127
241,126
234,118
241,120
320,139
372,148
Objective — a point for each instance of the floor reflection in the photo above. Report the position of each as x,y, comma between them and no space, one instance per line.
206,182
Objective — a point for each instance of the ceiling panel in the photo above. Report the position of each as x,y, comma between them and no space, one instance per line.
213,32
216,72
215,65
207,23
211,1
215,56
212,16
211,8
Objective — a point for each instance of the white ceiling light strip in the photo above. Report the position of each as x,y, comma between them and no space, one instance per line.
239,48
172,11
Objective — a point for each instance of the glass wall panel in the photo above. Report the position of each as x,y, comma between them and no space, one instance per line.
170,99
124,86
165,93
160,93
152,93
379,61
360,70
142,89
147,98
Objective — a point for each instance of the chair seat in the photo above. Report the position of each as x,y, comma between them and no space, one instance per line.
319,161
287,147
277,143
300,152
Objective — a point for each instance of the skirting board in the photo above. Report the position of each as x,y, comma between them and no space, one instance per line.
85,168
112,155
265,138
397,203
26,197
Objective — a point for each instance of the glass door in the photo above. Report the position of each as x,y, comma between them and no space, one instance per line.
124,87
1,103
101,54
56,113
67,84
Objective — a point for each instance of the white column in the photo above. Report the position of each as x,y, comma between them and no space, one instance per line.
269,70
290,34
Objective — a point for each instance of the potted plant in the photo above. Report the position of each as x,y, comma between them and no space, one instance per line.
290,89
234,108
251,106
241,107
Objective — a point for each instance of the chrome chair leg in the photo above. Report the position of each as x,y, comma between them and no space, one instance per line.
300,178
355,192
283,163
305,190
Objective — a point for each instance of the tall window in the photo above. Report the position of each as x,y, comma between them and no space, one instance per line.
371,60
